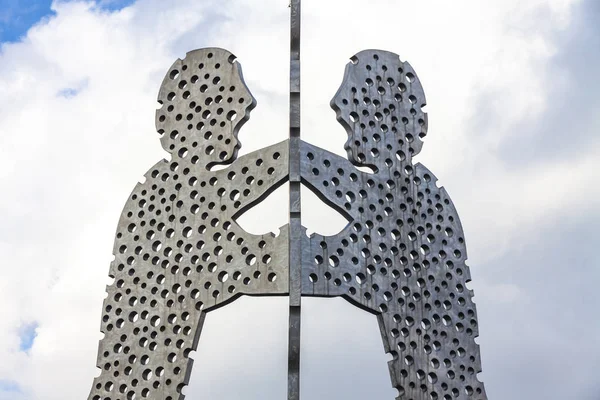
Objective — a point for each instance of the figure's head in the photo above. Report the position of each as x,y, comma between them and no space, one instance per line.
204,103
379,103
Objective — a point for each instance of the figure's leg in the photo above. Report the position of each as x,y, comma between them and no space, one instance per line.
153,314
148,337
430,360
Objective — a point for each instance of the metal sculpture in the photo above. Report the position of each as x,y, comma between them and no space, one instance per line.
179,252
402,254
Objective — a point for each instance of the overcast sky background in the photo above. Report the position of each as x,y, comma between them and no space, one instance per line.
512,92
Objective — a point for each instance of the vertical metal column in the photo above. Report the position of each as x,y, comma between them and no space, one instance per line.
295,220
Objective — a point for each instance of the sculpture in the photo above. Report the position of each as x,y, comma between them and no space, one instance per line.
179,252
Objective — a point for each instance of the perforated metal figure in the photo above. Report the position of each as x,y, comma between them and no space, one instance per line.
179,252
402,256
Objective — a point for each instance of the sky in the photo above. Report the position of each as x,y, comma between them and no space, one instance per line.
512,100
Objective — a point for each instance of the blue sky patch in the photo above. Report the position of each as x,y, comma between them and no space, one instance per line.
9,386
68,93
27,334
17,16
73,90
114,5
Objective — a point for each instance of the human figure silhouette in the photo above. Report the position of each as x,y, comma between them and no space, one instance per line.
178,250
402,256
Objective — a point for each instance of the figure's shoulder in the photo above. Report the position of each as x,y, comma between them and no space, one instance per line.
422,174
163,171
439,202
427,184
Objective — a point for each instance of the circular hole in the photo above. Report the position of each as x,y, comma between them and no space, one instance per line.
232,115
334,261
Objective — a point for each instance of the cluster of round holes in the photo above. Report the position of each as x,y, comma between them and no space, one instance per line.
179,251
403,253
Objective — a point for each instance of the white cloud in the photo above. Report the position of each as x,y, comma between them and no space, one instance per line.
69,162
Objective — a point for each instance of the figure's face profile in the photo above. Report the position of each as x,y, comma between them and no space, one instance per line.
381,96
194,99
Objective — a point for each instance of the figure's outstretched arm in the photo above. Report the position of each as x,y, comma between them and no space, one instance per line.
333,179
254,176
